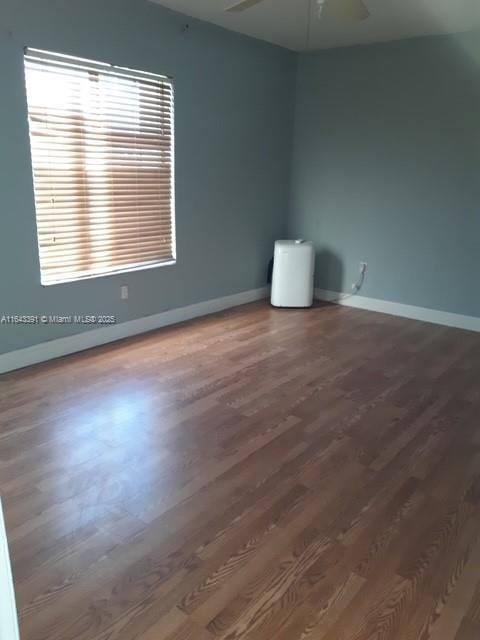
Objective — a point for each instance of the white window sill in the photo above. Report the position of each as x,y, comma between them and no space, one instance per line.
110,273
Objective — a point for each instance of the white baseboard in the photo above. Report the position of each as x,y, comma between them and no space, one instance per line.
470,323
93,338
8,610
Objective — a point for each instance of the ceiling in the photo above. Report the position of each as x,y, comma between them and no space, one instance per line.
284,22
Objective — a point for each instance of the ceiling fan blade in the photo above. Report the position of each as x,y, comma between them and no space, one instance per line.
243,5
351,10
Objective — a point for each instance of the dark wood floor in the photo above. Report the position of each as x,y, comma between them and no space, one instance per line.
259,474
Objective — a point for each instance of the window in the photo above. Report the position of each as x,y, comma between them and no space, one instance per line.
102,155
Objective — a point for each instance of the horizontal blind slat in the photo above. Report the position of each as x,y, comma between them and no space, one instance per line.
96,174
80,68
103,211
68,193
159,105
67,229
66,223
59,238
83,261
64,250
62,275
106,200
102,127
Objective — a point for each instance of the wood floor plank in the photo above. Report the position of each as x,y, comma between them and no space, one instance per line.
257,474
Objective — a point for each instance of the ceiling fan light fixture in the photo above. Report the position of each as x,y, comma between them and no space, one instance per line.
344,10
243,5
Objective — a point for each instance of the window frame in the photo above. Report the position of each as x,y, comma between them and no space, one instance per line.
122,72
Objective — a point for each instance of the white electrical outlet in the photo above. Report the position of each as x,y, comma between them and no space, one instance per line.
124,292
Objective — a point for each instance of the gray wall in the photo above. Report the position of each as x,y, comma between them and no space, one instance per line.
234,118
386,156
387,169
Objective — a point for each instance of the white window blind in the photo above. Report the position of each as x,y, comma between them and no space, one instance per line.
102,154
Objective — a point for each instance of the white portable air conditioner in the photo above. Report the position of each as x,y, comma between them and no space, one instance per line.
293,270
